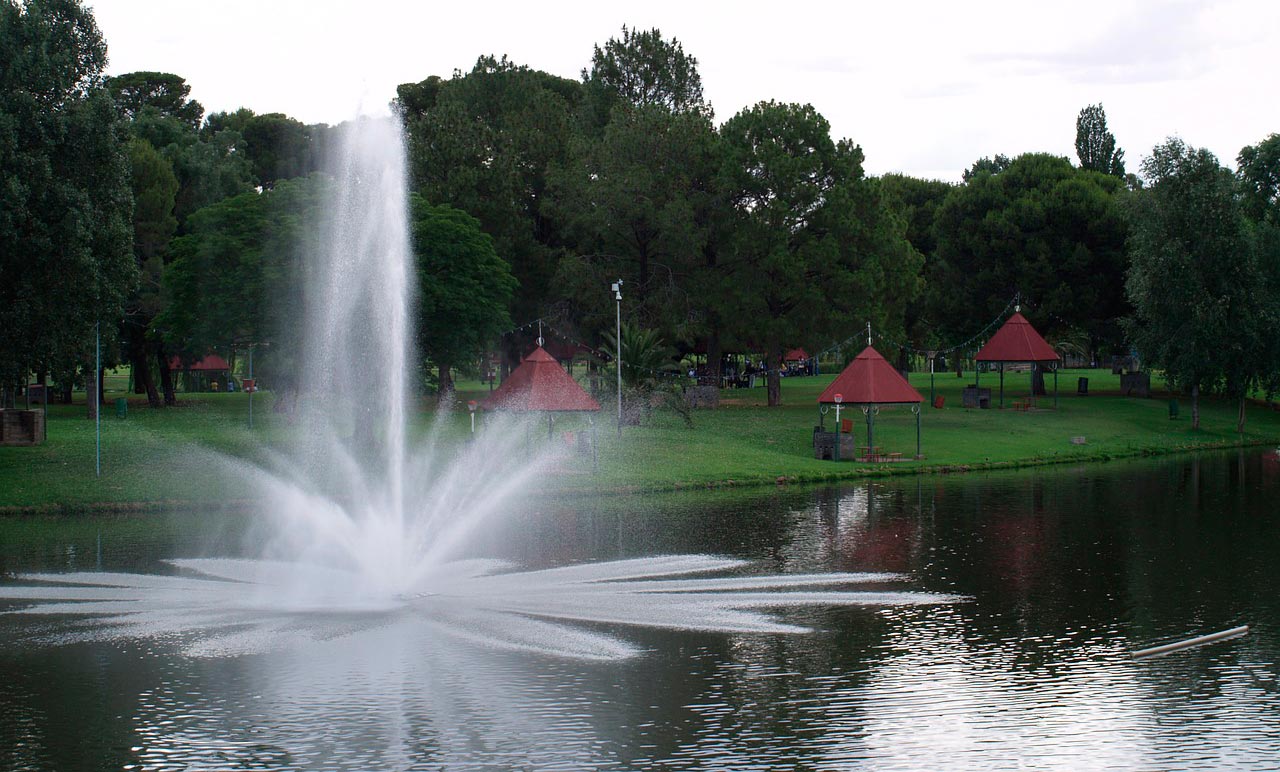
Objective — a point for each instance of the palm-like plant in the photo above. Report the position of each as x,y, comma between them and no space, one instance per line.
644,356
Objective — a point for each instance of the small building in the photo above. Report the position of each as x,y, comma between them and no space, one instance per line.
1018,341
868,382
541,385
212,373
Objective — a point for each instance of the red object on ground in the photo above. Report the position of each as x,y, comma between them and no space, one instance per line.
1017,341
870,380
212,362
540,383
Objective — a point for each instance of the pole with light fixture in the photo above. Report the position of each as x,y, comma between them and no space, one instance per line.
617,347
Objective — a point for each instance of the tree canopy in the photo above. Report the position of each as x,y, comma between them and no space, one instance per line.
65,203
1095,145
1195,281
464,288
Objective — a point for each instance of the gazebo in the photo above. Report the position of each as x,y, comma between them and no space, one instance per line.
1018,341
800,357
204,374
541,385
868,382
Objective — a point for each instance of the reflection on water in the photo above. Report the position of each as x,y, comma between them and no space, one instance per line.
1067,571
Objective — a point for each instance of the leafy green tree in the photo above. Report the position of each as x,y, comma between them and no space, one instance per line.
917,201
1195,280
1095,145
161,91
65,204
642,69
483,142
813,242
277,147
154,224
464,287
985,165
633,201
1041,228
236,276
1259,173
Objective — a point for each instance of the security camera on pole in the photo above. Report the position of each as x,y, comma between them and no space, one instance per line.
617,347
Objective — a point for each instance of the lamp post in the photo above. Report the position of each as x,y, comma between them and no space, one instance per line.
253,386
471,408
617,348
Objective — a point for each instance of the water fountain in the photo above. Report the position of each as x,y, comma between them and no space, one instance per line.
359,523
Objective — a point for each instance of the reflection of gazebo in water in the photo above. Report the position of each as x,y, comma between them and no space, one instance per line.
1018,341
868,382
541,385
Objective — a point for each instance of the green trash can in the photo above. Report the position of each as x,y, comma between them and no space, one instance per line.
122,408
1173,409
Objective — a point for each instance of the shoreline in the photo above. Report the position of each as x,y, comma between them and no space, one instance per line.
851,474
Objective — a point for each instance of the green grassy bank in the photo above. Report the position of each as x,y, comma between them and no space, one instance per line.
165,459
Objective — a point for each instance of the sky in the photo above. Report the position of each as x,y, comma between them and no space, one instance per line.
925,88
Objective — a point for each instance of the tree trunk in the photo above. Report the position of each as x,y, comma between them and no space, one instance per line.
1195,406
143,381
1037,380
90,389
166,377
446,384
66,387
714,356
774,378
1240,416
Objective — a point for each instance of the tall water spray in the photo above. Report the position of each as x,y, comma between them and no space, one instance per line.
358,520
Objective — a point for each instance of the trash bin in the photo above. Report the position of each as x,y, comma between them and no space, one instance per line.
122,407
1173,409
1082,387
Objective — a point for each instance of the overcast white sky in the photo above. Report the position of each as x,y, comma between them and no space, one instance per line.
925,87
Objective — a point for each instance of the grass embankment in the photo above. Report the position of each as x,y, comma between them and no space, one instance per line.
157,458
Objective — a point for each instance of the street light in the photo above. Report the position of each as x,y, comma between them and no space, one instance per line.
617,347
471,408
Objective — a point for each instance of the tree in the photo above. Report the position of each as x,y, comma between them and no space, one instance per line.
1095,146
483,142
1195,281
644,70
1259,173
985,165
1043,229
154,190
161,91
813,242
464,287
634,203
917,202
236,276
277,147
65,204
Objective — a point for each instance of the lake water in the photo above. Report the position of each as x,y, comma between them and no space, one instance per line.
1064,572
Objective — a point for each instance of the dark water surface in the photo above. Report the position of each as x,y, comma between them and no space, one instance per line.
1066,571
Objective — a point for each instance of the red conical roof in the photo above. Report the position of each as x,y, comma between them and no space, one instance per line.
540,383
1017,341
870,380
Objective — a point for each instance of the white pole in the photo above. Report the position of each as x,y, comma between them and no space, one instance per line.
617,340
97,403
252,388
1156,651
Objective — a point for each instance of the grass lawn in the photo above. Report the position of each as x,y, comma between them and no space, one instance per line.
158,457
